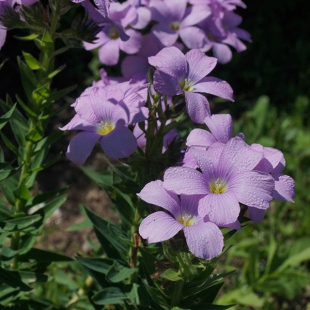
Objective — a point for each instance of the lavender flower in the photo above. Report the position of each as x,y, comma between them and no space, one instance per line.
115,37
175,19
226,179
204,238
185,74
103,115
221,29
273,162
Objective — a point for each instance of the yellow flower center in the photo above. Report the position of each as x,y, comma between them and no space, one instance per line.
186,219
175,25
218,187
186,85
113,34
105,127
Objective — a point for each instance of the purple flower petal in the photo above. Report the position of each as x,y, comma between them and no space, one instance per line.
256,215
197,106
200,137
164,34
237,156
222,52
177,8
81,146
220,126
214,86
221,209
154,193
284,188
253,188
158,227
170,60
166,84
199,65
195,14
109,53
119,143
187,181
204,240
134,43
192,37
78,124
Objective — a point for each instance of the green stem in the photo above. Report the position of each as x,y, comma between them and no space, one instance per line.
177,293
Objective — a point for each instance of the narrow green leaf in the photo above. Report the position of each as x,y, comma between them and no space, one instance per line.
51,207
31,61
60,51
45,197
119,273
42,256
56,95
9,143
22,192
29,80
42,93
102,265
20,224
171,275
8,187
110,295
3,62
295,259
25,107
9,277
27,38
100,178
110,236
6,117
54,73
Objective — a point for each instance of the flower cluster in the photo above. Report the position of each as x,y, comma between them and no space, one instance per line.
103,114
219,173
195,24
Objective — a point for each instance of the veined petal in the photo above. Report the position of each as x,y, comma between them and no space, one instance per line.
197,107
204,240
119,143
200,137
78,124
253,188
154,193
187,181
214,86
166,84
284,188
220,126
158,227
172,61
221,209
199,65
237,156
81,146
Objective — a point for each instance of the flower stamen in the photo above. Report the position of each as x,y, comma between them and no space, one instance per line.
187,219
218,187
105,127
